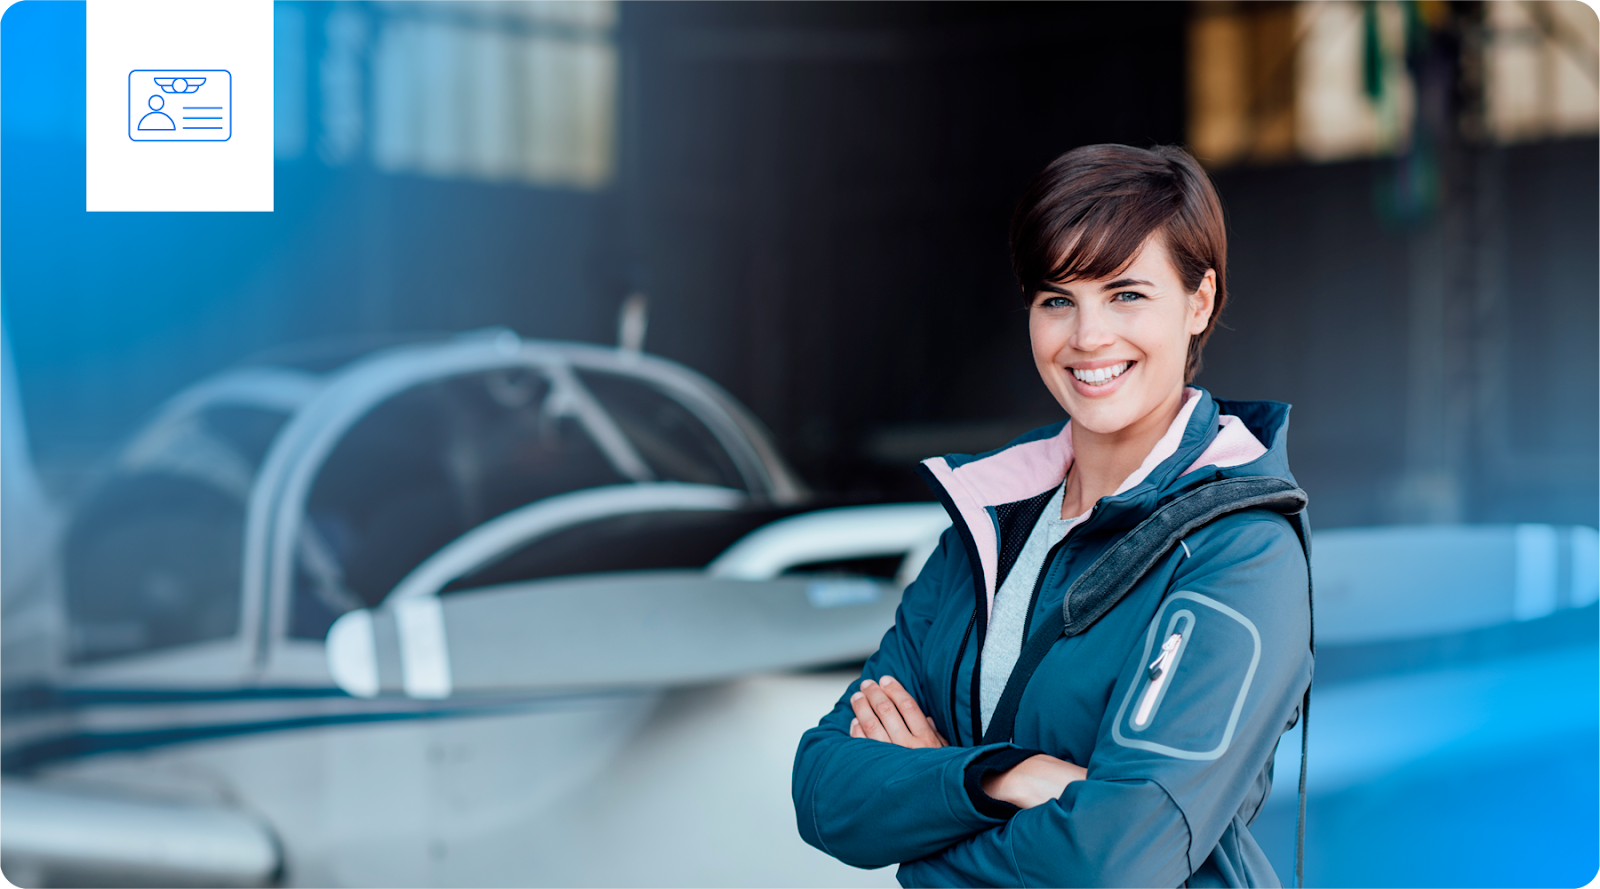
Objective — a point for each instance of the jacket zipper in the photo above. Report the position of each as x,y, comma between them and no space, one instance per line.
1027,622
1044,569
1160,672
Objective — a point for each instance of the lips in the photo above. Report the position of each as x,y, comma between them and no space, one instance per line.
1100,376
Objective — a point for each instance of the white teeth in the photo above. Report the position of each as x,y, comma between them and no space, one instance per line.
1100,376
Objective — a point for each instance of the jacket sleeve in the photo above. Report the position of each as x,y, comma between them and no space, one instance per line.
1178,754
869,803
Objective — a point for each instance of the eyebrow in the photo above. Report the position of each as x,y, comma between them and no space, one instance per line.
1120,282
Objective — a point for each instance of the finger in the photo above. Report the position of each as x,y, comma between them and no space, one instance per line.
867,717
907,705
919,724
894,725
888,714
855,729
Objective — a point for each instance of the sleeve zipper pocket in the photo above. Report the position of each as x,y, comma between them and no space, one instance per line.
1159,674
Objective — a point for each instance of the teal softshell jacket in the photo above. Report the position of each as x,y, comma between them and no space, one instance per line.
1168,800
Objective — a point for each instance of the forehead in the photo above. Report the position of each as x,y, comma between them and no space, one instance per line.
1150,262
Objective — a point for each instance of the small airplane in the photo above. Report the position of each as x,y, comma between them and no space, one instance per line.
483,610
419,615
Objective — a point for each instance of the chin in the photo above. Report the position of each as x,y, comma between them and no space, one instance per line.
1102,421
1106,417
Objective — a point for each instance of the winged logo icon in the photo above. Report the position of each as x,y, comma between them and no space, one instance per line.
179,85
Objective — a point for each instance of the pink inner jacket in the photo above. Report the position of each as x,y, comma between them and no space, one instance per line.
1027,470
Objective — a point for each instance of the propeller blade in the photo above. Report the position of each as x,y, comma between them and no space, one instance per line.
623,630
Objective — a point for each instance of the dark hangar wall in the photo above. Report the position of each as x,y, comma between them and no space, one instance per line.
827,187
815,198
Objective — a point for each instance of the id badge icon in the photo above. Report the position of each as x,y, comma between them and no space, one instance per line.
180,105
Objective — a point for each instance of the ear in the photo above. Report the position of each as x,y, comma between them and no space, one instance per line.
1202,303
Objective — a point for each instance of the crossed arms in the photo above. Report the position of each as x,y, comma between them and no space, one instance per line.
884,711
875,783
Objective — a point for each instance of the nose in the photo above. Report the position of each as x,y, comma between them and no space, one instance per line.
1093,330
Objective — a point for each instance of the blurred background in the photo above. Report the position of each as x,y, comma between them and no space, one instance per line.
812,199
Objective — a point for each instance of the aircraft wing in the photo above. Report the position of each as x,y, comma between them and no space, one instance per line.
75,836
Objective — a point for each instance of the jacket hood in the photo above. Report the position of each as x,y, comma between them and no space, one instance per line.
1210,439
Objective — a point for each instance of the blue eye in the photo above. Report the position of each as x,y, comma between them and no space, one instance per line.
1056,302
1129,296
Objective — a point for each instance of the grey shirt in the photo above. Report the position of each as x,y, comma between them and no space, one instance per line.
1003,643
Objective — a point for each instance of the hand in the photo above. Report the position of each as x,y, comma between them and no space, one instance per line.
885,711
1033,782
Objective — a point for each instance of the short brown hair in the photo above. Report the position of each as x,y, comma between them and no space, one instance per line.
1086,214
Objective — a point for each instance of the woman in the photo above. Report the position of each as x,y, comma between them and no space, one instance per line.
1032,720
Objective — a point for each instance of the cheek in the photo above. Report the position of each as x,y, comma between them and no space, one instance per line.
1161,342
1036,340
1047,337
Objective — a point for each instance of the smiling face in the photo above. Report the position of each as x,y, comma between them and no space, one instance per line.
1112,350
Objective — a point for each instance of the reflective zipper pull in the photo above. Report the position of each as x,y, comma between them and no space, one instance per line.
1169,650
1157,671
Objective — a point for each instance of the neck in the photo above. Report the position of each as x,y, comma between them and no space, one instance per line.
1101,461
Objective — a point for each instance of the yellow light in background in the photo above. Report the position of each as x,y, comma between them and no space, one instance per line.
1277,81
1241,100
1218,92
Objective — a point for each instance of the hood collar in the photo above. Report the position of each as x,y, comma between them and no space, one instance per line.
1200,436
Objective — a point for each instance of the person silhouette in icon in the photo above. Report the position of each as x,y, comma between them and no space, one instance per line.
156,119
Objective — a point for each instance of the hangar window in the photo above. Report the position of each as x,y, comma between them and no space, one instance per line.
511,92
425,467
1540,70
153,557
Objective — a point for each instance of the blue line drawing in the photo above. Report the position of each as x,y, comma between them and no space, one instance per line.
156,120
150,117
180,84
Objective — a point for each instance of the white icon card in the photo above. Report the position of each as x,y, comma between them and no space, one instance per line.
178,106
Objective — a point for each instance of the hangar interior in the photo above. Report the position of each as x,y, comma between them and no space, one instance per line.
813,198
807,203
